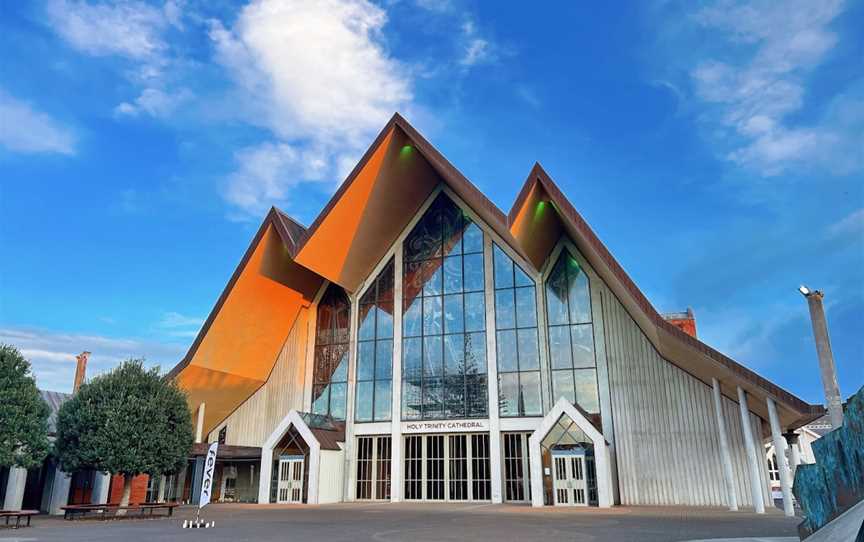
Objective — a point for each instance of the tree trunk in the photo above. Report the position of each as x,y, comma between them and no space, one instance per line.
127,492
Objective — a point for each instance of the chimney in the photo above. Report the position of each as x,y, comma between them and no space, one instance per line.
685,321
80,370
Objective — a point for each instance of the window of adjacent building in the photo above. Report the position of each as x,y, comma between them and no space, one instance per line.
375,350
330,374
571,335
516,339
444,323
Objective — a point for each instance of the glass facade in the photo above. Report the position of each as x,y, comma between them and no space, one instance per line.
571,335
330,374
375,350
444,318
516,339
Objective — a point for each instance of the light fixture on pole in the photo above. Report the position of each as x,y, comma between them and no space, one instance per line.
826,357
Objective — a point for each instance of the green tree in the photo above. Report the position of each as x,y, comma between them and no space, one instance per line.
23,413
129,421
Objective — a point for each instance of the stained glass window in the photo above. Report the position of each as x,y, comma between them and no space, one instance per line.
571,334
330,373
516,339
443,322
375,350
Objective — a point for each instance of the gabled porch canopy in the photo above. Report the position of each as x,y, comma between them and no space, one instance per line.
602,456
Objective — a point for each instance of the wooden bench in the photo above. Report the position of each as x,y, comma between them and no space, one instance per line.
151,506
113,510
18,514
70,511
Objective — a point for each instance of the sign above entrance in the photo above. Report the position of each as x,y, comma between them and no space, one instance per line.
448,426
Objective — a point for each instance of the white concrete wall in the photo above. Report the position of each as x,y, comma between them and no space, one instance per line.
667,443
330,476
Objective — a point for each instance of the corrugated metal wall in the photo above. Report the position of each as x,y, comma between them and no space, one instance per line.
667,445
258,416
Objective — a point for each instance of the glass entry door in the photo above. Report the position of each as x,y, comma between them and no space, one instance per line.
451,467
568,478
290,489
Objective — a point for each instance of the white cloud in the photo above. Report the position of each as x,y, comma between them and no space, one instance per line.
175,319
477,49
125,28
317,75
52,354
756,79
853,224
154,102
25,130
132,30
438,6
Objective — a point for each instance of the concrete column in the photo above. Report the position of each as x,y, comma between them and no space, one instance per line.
794,453
350,394
101,487
752,454
199,427
492,374
780,451
181,483
197,480
725,456
15,488
826,359
160,496
396,405
59,492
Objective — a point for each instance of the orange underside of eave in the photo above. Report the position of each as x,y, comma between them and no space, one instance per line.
240,347
535,231
326,252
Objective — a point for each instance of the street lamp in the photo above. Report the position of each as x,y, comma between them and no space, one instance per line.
826,357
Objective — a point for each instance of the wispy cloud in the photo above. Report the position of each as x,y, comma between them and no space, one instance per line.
321,104
52,354
132,30
751,68
26,130
176,325
476,49
851,224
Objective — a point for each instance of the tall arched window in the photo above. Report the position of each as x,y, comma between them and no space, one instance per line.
330,374
571,335
516,339
375,350
444,322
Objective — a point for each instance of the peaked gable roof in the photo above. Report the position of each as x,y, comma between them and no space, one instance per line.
541,214
372,207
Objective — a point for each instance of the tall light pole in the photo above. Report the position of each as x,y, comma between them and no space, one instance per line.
826,358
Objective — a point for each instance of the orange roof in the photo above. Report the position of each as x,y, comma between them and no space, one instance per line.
287,263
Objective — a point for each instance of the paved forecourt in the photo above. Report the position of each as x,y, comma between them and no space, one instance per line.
420,523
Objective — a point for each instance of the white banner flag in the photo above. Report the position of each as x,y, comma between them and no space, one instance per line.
207,482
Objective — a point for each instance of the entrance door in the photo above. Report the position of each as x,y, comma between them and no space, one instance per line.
290,489
568,478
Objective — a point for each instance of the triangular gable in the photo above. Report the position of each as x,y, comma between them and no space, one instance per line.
378,199
541,214
237,346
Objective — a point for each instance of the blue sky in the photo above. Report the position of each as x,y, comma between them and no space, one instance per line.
717,148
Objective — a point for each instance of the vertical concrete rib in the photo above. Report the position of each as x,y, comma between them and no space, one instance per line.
731,498
780,451
752,456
